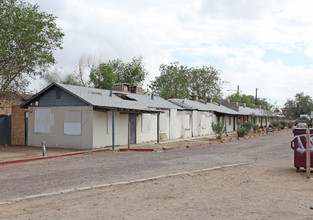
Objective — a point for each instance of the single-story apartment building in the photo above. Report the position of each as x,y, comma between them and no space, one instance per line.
86,118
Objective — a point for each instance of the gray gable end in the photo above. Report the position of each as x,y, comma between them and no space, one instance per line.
55,95
58,97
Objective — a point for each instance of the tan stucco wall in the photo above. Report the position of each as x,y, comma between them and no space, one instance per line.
56,137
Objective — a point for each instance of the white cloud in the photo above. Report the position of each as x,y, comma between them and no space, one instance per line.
233,36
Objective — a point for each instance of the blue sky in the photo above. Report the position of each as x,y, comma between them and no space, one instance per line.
255,44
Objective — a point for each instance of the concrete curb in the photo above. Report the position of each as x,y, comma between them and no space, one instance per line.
172,148
199,145
65,191
136,149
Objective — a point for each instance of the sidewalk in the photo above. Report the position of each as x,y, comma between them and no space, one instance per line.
23,153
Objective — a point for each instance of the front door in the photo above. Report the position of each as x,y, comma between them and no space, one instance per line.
132,121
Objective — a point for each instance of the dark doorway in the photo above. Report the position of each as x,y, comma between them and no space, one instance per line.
132,120
5,129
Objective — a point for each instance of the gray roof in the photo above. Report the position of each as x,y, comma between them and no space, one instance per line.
195,105
102,98
153,101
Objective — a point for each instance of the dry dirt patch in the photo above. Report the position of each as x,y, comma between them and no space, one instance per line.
263,190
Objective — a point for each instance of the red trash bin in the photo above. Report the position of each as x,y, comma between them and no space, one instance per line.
298,144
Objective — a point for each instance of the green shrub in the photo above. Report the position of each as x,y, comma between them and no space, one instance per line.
248,125
275,124
218,129
283,124
255,128
241,132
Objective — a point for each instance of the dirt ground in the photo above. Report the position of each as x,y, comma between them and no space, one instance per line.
264,189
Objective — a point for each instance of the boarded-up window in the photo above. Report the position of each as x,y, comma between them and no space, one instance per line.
163,122
145,123
43,121
116,122
203,121
72,122
187,121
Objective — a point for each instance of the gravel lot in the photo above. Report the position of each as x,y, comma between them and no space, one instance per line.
266,188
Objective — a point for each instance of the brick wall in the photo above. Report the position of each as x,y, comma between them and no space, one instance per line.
5,107
18,126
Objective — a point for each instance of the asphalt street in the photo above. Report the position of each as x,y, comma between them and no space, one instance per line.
20,180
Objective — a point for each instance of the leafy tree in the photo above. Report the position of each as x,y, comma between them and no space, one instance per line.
205,82
249,100
181,81
71,80
173,81
102,77
28,38
55,75
300,105
116,71
242,98
133,72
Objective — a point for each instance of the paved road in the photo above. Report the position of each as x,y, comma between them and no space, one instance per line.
45,176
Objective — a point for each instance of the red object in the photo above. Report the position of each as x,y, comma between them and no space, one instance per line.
298,144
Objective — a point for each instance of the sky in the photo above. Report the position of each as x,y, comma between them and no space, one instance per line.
256,44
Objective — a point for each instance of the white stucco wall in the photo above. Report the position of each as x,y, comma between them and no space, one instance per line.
165,124
188,124
180,129
173,118
206,123
102,127
58,127
146,132
195,124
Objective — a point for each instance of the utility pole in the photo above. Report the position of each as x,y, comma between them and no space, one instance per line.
237,90
256,96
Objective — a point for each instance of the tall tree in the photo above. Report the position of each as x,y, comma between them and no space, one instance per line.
302,104
173,81
205,82
102,77
117,71
133,72
86,64
55,75
28,38
249,100
181,81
